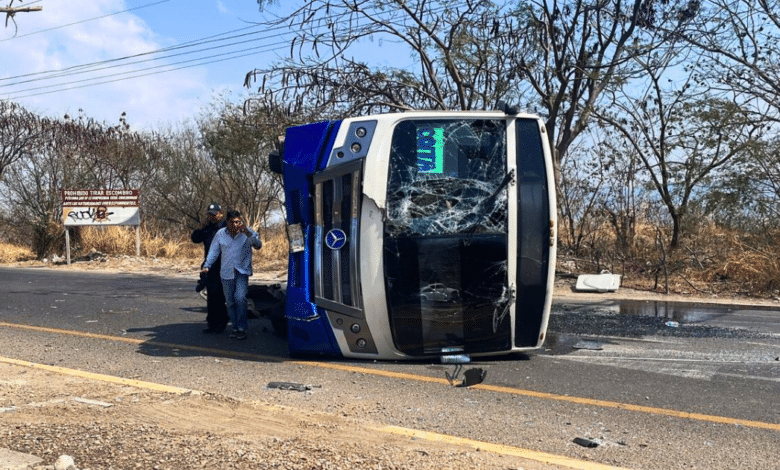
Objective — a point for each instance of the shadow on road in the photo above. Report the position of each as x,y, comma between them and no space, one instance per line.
188,340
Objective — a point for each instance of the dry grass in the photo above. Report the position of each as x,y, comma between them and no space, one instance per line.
118,240
708,260
752,264
13,253
180,255
273,255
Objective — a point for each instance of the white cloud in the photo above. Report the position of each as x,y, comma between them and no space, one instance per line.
156,97
222,8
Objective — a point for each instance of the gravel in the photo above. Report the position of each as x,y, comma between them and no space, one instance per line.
142,429
118,446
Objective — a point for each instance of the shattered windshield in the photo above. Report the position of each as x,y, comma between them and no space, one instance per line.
447,177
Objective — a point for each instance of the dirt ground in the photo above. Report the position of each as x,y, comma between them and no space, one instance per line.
113,426
106,425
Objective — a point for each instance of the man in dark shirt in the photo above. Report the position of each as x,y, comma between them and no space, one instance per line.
217,317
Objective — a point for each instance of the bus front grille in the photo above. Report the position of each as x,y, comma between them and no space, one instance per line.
337,197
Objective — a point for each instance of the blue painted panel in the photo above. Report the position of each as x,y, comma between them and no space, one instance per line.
306,151
306,332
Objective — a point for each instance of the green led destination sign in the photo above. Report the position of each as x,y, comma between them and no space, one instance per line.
430,150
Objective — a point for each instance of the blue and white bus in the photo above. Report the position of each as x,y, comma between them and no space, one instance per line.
419,234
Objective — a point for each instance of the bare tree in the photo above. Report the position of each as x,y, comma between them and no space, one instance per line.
741,41
768,162
456,47
570,52
684,137
238,144
600,189
583,182
48,155
32,187
221,158
19,130
553,57
182,181
748,196
114,154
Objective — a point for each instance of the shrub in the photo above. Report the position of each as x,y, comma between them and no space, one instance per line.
13,253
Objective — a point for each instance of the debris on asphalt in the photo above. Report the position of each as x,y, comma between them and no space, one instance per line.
290,386
585,442
587,344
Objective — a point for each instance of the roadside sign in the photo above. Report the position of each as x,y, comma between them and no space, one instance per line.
100,207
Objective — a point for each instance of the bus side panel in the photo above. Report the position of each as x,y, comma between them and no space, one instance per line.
533,235
306,149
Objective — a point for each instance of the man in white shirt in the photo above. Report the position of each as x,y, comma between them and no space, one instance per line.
233,244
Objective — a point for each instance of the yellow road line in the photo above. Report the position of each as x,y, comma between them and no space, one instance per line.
544,457
395,430
136,341
422,378
630,407
101,377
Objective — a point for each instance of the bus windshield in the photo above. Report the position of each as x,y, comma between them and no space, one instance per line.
447,177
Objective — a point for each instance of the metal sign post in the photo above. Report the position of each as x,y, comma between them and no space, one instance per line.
67,244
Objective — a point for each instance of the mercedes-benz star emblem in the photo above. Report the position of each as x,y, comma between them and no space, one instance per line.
336,239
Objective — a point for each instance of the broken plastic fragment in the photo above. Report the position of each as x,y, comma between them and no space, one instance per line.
585,442
586,344
289,386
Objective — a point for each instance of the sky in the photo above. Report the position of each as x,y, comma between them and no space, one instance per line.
159,61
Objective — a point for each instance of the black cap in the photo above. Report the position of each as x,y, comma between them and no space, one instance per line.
214,208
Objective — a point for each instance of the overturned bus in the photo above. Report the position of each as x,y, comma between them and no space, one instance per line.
418,234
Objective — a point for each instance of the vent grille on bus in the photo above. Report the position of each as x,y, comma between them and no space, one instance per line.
337,197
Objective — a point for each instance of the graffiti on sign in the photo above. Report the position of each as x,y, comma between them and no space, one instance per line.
95,214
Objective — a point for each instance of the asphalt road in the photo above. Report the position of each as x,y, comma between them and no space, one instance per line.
701,395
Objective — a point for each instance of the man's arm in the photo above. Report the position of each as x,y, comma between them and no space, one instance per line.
214,252
254,238
199,234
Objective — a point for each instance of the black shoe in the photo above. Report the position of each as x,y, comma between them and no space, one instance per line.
212,331
241,334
